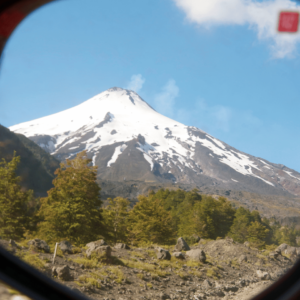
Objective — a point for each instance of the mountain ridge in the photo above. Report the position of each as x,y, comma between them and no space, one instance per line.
128,140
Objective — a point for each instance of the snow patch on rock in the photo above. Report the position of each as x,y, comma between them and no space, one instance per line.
117,152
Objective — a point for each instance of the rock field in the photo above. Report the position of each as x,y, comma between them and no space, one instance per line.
219,269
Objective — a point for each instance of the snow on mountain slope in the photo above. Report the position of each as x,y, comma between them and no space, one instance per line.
127,138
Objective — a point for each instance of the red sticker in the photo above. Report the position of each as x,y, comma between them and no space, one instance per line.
288,22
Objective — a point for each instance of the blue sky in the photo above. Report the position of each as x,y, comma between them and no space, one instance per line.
225,71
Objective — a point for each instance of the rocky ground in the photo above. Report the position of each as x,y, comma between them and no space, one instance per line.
221,269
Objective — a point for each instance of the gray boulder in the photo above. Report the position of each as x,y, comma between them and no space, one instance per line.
290,251
207,284
65,247
196,254
164,296
281,248
100,251
178,255
122,246
163,254
63,273
274,254
247,244
243,258
95,244
39,245
263,275
229,239
182,245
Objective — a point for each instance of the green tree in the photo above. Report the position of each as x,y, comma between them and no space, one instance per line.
150,222
72,209
13,201
285,235
257,234
239,228
248,226
115,215
208,218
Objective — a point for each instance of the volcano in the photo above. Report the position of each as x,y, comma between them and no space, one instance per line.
128,140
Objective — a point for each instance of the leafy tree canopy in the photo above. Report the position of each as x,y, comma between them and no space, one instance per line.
116,218
13,201
72,209
150,222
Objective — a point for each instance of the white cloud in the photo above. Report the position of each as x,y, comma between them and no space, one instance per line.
217,117
165,101
260,16
136,83
222,116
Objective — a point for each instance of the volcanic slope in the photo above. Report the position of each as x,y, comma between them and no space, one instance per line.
128,140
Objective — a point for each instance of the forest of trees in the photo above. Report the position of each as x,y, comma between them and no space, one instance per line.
73,211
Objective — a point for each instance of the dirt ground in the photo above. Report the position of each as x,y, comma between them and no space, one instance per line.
230,271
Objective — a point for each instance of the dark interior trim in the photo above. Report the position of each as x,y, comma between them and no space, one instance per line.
32,282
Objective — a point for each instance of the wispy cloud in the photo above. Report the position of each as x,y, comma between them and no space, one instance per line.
212,118
136,83
217,118
260,16
164,101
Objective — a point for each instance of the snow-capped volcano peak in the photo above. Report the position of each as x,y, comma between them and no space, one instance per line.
118,101
128,139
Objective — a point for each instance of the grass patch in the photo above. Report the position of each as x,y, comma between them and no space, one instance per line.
235,264
151,253
99,274
87,281
88,263
23,243
165,263
144,267
182,274
32,259
177,264
193,264
117,274
141,276
161,273
209,259
76,250
195,273
149,285
138,265
262,256
213,273
137,254
269,249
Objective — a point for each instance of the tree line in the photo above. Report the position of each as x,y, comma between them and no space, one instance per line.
73,210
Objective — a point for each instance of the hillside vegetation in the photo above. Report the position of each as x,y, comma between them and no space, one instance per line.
73,211
36,167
